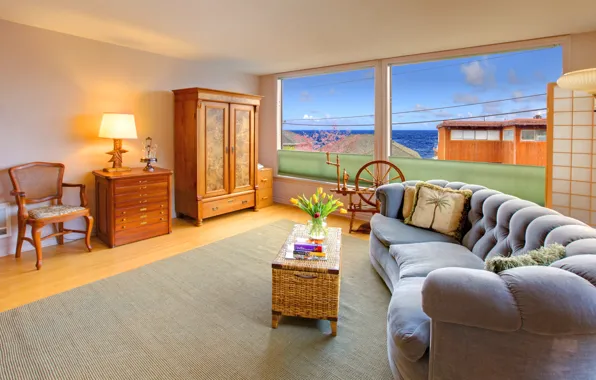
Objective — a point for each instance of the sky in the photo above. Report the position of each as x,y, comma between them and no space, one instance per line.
424,94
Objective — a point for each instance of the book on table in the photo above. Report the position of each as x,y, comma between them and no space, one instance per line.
304,249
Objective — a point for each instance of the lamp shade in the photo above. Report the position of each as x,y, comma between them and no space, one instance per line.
118,126
581,80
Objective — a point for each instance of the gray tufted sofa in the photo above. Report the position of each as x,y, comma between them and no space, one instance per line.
449,319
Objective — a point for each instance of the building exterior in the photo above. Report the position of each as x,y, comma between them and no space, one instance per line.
516,141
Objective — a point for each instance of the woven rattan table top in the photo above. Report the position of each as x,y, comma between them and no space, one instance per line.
331,265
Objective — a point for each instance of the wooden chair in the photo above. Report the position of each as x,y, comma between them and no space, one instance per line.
39,182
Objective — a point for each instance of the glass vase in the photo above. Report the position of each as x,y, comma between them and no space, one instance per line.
317,228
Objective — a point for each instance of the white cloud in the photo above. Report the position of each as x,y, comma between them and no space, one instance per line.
465,98
306,116
474,73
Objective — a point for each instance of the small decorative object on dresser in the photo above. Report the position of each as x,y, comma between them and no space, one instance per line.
265,188
149,151
132,206
307,288
215,143
117,126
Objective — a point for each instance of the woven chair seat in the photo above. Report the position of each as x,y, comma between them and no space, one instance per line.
52,211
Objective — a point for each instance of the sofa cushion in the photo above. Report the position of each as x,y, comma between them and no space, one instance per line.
407,324
418,260
440,209
393,231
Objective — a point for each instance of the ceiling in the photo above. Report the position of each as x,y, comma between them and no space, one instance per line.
270,36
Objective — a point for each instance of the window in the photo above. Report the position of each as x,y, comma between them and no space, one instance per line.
533,135
329,112
508,135
482,95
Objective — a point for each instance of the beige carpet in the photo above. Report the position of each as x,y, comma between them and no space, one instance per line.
204,314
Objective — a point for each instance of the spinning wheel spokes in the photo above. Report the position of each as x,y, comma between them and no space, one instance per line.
383,172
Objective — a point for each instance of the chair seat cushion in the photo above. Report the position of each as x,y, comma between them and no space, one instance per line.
418,260
393,231
407,325
53,211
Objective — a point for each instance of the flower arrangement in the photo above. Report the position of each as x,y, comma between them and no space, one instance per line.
318,206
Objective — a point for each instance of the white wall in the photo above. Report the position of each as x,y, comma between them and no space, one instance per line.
579,52
55,87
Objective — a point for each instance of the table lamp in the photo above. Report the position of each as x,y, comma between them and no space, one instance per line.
117,126
581,80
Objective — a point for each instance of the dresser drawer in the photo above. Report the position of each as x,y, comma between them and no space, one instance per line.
264,197
265,178
160,215
141,209
140,181
230,204
138,199
158,187
137,222
125,236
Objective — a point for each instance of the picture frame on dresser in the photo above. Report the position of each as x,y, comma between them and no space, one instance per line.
132,206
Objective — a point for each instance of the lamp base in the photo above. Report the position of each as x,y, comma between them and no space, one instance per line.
121,169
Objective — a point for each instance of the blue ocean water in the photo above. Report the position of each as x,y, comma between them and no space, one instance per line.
422,141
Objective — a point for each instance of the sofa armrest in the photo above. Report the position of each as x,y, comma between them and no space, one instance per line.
539,300
390,197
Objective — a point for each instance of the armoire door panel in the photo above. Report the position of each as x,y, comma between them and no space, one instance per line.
214,149
242,147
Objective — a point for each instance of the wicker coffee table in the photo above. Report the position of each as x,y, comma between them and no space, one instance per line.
307,288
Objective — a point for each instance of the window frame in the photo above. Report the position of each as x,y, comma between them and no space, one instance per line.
382,80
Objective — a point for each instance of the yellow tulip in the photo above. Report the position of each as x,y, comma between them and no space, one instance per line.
343,211
339,204
294,201
315,198
323,196
320,190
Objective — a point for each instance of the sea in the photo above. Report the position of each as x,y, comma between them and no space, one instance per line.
422,141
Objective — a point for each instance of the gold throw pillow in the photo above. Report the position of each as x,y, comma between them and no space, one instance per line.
440,209
408,203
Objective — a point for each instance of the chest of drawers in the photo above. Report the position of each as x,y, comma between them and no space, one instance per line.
132,206
265,188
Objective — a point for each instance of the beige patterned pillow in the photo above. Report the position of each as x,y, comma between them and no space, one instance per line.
439,209
408,203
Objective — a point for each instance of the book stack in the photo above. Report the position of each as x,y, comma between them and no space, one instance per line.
305,249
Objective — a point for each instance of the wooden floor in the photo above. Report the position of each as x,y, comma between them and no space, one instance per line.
70,266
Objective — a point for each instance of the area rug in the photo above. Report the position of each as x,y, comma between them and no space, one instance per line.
203,314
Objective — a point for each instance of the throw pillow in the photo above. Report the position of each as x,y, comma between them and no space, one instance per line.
408,203
542,256
440,209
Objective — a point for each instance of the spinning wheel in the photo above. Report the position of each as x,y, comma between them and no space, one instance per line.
374,174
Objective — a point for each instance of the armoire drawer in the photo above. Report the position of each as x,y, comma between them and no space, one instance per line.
264,197
230,204
265,178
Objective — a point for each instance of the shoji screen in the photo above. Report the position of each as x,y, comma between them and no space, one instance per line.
571,167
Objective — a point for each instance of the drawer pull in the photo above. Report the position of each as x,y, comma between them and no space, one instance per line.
143,216
145,201
244,202
143,209
123,213
161,219
143,223
215,208
305,276
230,200
263,198
123,227
263,179
145,181
161,206
123,220
142,187
143,195
161,212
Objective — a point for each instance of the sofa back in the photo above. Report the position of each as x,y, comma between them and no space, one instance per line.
501,224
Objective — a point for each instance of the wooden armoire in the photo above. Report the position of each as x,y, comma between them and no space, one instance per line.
215,148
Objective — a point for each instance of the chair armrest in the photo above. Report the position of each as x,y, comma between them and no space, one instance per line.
83,195
390,197
539,300
17,193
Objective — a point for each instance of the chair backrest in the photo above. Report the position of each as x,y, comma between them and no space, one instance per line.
40,181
